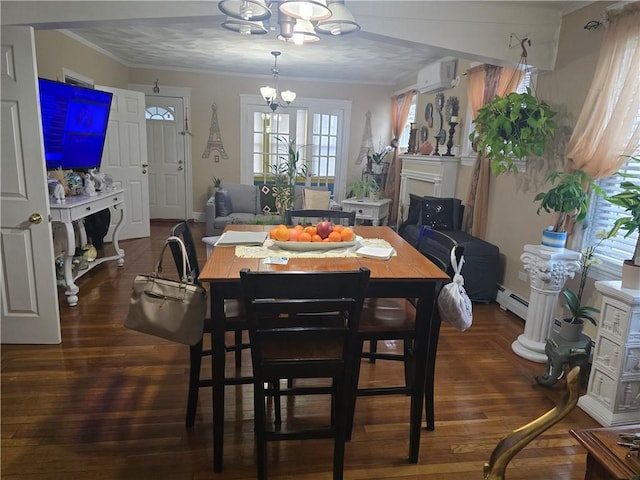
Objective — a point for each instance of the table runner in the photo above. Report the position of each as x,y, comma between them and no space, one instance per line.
269,249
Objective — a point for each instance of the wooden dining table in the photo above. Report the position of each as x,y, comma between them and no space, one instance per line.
407,274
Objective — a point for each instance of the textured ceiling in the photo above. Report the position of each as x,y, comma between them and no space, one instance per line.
200,43
361,57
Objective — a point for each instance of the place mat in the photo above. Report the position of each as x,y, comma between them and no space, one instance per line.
269,249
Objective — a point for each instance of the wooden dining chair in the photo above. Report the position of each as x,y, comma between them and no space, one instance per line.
514,442
313,216
303,325
394,319
236,323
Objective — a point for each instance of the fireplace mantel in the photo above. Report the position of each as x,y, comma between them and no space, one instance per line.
426,175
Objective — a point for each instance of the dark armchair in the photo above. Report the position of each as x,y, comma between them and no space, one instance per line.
482,259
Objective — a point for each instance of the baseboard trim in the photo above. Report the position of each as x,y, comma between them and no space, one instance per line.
508,300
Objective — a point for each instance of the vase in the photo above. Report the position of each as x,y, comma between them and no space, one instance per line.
554,240
630,275
378,168
571,331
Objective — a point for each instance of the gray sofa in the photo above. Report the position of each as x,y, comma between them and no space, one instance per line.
245,204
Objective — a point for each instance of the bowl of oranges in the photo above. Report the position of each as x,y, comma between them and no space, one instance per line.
322,236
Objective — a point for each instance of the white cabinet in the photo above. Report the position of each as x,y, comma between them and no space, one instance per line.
613,392
421,175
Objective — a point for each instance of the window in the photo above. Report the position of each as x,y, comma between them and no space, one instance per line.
159,113
602,216
320,128
411,118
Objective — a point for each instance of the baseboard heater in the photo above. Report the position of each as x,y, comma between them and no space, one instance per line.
517,305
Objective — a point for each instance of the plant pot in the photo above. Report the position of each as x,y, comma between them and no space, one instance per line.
554,240
571,331
630,275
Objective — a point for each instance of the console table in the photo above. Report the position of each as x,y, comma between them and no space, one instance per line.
366,209
606,459
69,213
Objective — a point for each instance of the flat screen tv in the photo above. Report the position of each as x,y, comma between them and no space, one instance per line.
74,125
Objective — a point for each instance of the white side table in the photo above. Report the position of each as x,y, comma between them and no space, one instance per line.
366,209
548,270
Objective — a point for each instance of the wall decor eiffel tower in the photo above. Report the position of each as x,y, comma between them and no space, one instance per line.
367,140
215,139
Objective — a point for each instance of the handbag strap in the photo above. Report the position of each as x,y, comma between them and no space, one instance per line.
186,266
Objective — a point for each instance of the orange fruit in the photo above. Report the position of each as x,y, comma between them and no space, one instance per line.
272,233
282,234
294,234
325,239
335,236
304,237
347,235
338,228
316,238
311,230
299,227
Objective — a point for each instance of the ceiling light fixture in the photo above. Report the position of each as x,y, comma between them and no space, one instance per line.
310,10
270,94
299,21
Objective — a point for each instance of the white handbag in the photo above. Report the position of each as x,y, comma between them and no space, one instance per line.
454,304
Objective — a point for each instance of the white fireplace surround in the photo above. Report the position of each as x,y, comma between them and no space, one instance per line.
426,175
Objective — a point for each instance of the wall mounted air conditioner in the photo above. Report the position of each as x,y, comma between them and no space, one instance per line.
437,76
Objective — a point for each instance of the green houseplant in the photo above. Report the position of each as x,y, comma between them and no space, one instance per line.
569,197
512,127
629,200
286,173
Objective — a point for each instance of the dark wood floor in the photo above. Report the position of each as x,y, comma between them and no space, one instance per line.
108,403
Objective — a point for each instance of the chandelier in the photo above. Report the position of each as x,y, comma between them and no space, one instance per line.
299,21
270,94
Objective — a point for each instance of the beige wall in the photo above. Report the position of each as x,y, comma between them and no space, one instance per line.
55,50
225,91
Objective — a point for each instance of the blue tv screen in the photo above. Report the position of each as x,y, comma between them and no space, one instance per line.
74,125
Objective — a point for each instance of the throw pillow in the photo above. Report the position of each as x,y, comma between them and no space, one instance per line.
440,213
267,199
315,199
415,209
223,203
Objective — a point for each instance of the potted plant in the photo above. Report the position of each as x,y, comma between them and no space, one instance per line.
629,200
378,158
285,173
571,327
512,127
365,188
570,198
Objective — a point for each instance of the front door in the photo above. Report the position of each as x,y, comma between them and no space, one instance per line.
29,291
166,152
125,159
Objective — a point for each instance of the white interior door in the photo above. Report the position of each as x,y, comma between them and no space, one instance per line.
166,153
29,291
125,159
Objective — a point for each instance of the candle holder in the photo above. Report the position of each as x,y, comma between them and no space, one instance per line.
452,130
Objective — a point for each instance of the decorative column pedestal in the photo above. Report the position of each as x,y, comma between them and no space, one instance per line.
548,270
613,392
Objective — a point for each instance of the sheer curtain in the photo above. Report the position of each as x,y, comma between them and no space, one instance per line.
400,106
608,130
483,84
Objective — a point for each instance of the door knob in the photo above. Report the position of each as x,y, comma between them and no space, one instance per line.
35,218
180,168
145,165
